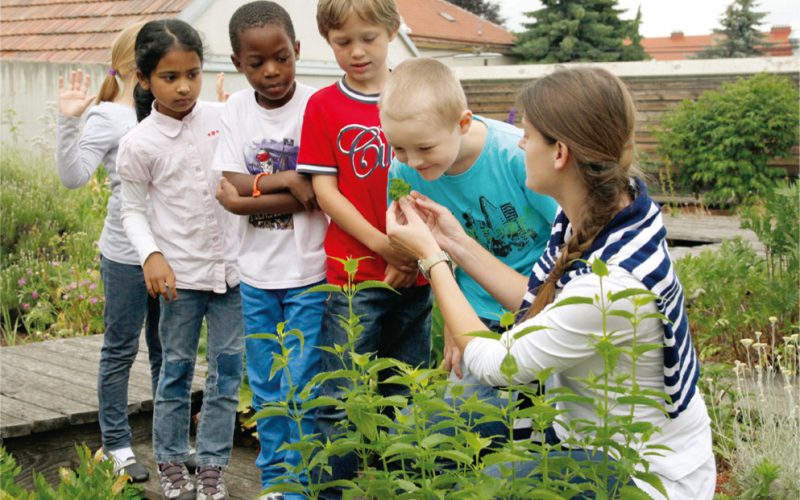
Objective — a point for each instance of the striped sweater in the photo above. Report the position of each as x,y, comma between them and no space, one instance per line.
635,240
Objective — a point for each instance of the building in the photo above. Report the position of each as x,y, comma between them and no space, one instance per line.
678,46
454,35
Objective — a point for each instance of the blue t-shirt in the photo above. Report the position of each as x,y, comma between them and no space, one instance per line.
494,206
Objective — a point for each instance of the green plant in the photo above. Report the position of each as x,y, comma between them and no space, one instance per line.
50,284
94,478
775,219
730,294
719,146
398,188
429,450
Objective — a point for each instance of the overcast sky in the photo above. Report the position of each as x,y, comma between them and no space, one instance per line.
661,17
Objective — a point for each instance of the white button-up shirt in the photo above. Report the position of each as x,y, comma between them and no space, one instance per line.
169,160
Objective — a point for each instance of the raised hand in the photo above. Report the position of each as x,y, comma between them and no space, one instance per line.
72,98
222,96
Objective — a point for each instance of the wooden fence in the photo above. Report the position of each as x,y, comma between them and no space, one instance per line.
656,87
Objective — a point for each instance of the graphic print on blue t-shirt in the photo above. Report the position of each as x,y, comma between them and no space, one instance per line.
270,156
365,148
497,228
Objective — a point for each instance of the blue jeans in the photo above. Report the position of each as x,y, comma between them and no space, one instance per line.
127,305
396,326
263,310
181,321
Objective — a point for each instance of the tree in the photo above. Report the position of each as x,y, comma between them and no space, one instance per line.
739,36
486,8
579,30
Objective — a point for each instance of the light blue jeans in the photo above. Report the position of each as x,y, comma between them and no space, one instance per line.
127,306
180,325
263,310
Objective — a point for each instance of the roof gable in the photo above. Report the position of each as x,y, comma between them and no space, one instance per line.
440,21
73,30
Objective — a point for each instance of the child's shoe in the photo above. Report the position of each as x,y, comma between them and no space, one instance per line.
126,463
175,482
210,483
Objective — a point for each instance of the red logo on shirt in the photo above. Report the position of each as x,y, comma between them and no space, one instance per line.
365,148
213,133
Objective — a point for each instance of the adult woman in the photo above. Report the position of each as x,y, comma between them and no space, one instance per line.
578,145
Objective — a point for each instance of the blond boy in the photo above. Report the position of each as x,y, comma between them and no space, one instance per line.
347,155
475,168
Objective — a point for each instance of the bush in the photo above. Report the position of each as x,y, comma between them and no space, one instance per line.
50,282
720,144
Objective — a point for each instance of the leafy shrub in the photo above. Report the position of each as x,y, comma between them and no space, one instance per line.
94,478
50,282
428,449
731,294
720,144
775,219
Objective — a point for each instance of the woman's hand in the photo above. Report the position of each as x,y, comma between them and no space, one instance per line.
159,277
408,232
72,98
440,220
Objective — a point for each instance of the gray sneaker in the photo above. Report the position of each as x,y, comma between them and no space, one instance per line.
210,483
175,482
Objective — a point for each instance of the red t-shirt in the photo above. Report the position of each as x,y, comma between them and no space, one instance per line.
342,136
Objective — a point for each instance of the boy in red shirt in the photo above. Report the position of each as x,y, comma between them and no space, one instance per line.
347,154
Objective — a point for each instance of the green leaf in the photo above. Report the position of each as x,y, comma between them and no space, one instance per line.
631,292
266,336
485,335
573,301
529,329
326,288
400,449
651,479
435,440
368,284
509,366
599,268
641,400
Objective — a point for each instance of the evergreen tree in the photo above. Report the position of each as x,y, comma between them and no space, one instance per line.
739,35
579,30
486,8
632,50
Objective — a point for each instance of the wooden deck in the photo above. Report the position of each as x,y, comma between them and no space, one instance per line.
48,403
690,234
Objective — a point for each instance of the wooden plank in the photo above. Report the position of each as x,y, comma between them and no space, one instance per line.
68,366
76,402
11,426
42,419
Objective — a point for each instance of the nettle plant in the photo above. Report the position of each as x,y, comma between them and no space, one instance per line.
423,445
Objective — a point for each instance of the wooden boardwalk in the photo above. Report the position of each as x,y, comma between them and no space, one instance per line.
48,403
48,390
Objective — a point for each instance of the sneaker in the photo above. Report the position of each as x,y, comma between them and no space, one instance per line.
210,483
175,483
137,473
191,462
272,496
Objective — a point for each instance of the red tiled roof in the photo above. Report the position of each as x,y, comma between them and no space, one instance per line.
427,24
73,30
679,46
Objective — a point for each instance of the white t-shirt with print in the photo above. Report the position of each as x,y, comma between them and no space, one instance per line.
277,251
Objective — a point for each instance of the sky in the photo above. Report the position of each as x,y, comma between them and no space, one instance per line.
661,17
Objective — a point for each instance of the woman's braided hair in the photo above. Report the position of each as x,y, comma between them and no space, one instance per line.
591,111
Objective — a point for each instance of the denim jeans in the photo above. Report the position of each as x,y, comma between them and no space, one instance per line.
396,326
127,305
263,310
180,325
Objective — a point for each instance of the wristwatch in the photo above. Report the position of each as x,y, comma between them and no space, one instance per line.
426,264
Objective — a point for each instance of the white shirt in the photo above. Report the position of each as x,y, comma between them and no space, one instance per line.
277,251
567,346
79,154
170,160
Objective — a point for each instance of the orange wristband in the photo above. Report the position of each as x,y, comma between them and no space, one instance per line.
256,192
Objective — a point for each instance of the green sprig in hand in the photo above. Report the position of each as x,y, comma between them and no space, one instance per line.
398,188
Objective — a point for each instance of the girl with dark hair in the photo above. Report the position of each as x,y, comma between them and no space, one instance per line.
78,155
578,144
187,245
